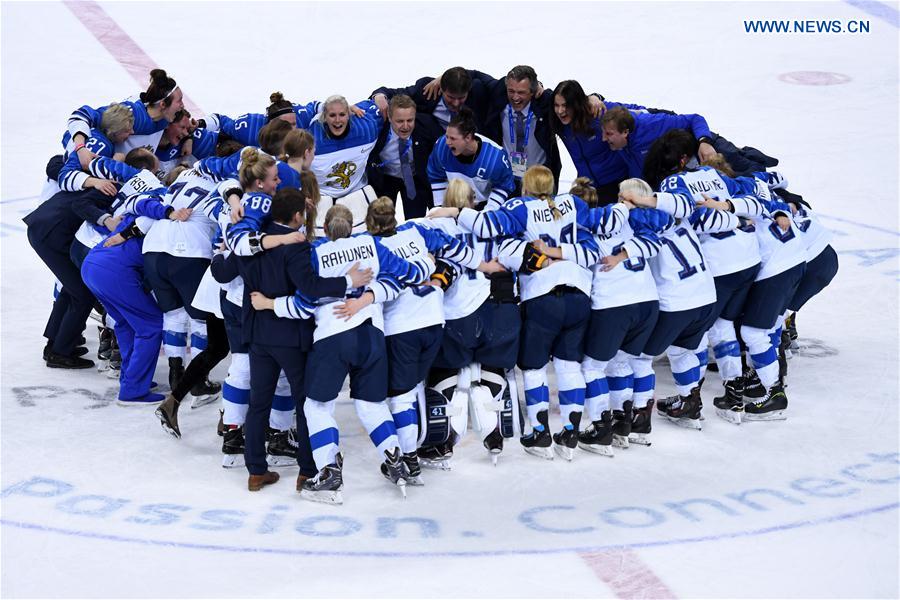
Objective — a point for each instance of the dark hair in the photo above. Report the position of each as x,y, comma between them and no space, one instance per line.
520,72
141,158
456,80
665,154
464,122
227,147
286,203
577,103
161,85
180,115
583,188
279,106
620,117
271,136
400,101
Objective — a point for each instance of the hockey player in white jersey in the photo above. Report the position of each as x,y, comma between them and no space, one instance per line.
462,153
413,322
349,339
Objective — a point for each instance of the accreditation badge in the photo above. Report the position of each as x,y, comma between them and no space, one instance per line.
519,162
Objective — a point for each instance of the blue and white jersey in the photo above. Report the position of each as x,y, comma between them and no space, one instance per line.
203,145
192,238
245,128
257,206
134,182
729,250
816,237
147,132
340,163
488,172
223,168
471,288
422,306
683,280
97,143
529,219
632,281
334,259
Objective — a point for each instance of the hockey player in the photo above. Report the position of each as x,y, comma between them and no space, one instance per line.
463,153
413,322
349,340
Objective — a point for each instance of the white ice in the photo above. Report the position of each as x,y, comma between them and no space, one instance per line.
79,472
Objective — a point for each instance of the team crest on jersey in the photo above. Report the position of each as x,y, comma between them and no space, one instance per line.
341,173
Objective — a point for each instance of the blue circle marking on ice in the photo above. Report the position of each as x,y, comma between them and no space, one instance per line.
838,518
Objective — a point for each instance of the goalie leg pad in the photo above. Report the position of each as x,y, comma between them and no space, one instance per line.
434,407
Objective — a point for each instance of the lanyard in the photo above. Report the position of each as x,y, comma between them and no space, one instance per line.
512,127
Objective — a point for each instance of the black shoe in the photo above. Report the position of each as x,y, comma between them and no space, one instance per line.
621,428
233,448
167,413
327,486
393,469
564,442
730,405
641,425
413,470
753,387
769,408
106,342
58,361
205,392
436,457
493,443
598,436
686,411
282,448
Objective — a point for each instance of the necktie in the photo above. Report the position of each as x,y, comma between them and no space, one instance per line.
520,132
406,169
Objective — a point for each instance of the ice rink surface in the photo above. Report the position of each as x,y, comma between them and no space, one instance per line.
98,502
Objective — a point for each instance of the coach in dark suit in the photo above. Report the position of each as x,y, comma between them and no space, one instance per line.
399,160
277,343
51,231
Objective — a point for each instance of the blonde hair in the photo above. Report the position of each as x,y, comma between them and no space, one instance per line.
309,185
538,183
338,222
116,118
720,164
174,173
334,99
254,165
381,217
459,194
296,143
637,185
582,188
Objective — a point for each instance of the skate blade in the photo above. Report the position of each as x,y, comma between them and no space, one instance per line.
686,423
103,365
164,422
275,460
495,458
640,439
232,461
599,449
401,484
564,451
775,415
112,373
132,403
415,481
440,465
620,441
323,496
732,416
198,401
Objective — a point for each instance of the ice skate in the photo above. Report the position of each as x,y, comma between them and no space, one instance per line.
537,443
436,457
167,413
412,469
622,425
393,469
220,428
641,425
730,406
205,392
494,444
790,326
327,486
686,412
114,364
282,448
598,436
233,448
753,387
769,408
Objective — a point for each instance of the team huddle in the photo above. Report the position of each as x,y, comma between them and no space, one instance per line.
274,238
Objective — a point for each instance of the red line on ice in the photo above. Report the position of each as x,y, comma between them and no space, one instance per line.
119,44
627,575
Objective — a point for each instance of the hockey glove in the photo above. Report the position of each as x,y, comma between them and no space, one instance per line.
444,274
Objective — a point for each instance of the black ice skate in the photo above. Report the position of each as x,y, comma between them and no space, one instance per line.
641,425
107,337
730,405
436,457
204,392
393,469
753,387
564,443
790,326
769,408
233,448
413,471
686,412
327,486
114,364
493,443
537,443
598,436
622,425
282,448
167,413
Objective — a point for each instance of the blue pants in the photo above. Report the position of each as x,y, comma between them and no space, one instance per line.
120,289
489,336
819,273
359,352
768,298
625,328
732,290
410,355
554,325
175,281
683,328
266,364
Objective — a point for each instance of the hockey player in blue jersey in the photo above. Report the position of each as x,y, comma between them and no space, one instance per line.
462,153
